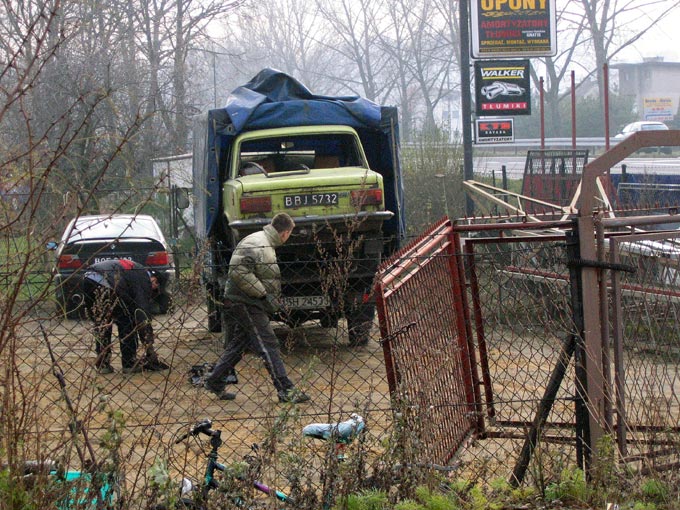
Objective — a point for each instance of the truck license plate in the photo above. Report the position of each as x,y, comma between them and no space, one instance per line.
306,302
310,199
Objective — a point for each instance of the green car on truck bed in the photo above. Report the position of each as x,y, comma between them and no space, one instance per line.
321,175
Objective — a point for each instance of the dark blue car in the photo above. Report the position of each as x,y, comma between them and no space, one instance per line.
91,239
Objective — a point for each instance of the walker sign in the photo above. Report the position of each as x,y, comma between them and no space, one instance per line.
495,131
513,28
502,87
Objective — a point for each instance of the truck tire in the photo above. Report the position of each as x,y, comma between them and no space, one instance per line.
328,320
214,308
214,321
359,317
295,318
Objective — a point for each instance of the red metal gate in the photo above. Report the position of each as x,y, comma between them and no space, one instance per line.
424,325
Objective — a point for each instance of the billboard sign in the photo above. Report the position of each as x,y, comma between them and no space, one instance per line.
494,131
502,87
513,28
658,108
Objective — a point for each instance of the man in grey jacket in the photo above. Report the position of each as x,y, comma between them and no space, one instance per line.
251,295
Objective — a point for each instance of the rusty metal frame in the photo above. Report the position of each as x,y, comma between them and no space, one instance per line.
458,419
469,250
617,289
590,275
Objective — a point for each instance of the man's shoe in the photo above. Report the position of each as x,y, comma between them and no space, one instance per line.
155,366
221,394
132,370
293,396
105,369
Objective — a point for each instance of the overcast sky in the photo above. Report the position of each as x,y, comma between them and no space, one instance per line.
663,40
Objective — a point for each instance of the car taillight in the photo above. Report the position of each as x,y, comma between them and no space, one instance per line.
157,258
69,262
361,197
256,204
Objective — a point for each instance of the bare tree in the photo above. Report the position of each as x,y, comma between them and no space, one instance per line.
614,25
169,29
356,27
428,55
395,42
556,68
282,34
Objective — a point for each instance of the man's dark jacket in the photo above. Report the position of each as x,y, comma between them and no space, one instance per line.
132,284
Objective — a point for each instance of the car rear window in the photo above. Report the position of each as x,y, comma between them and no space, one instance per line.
112,228
285,153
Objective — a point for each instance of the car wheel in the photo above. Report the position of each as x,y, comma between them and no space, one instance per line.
70,306
164,303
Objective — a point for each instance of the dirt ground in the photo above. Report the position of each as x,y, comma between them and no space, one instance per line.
157,406
340,379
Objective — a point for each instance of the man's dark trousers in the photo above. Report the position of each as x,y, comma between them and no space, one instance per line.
249,328
105,309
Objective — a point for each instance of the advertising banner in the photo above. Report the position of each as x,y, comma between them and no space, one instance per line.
494,131
513,28
658,108
502,87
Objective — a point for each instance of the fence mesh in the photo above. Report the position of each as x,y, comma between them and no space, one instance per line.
644,350
149,409
507,296
522,316
425,345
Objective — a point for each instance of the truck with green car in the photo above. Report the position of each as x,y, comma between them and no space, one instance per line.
332,163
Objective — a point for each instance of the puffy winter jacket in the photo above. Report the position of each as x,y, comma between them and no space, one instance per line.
253,271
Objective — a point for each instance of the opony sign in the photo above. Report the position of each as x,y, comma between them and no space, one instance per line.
513,28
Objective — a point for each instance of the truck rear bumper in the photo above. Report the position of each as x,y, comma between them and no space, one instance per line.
363,216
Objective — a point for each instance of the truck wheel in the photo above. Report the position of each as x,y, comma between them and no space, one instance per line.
214,321
295,319
328,320
359,322
214,308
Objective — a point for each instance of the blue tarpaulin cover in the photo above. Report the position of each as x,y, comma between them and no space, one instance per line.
274,99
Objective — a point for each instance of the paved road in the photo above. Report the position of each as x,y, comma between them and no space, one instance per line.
515,165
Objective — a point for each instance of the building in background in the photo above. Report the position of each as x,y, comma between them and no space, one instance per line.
655,85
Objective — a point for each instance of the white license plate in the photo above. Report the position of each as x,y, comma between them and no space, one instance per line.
306,302
310,199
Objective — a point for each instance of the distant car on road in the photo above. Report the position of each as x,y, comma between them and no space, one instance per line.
644,125
91,239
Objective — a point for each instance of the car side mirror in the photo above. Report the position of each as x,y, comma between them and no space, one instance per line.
51,246
181,198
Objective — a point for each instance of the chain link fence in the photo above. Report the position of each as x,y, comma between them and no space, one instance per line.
503,373
132,420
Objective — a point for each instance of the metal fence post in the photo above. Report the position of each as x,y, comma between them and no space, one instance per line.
581,383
